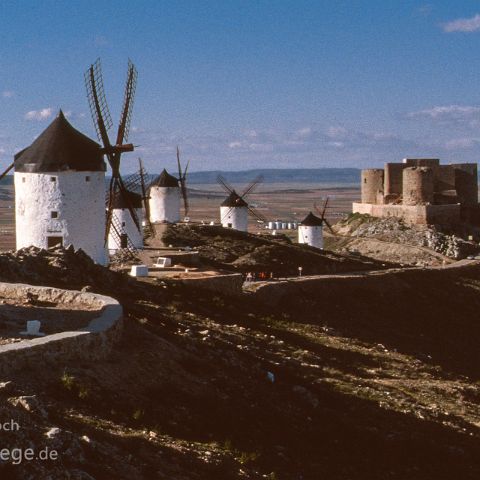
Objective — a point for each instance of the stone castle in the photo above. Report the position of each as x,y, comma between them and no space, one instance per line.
421,191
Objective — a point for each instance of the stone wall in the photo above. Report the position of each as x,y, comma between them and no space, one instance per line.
294,290
413,214
417,185
372,185
229,284
466,183
90,343
393,178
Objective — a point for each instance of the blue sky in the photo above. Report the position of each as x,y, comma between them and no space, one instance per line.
244,84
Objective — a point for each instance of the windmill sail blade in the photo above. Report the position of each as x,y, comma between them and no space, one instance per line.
223,218
324,208
129,96
111,194
322,212
7,170
223,183
178,164
256,214
126,197
329,226
97,102
183,186
146,204
186,169
252,185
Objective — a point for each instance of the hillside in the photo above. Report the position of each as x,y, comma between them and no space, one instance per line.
392,240
372,379
239,251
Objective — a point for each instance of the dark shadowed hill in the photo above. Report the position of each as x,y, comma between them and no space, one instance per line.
332,384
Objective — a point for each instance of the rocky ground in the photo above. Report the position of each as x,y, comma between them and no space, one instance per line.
391,239
239,251
375,379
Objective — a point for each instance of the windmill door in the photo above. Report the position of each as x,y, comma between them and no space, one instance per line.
54,242
123,240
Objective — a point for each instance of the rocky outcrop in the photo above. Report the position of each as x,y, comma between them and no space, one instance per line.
391,231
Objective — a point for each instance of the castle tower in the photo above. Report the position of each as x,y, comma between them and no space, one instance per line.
234,212
123,226
165,199
417,185
60,191
372,185
310,231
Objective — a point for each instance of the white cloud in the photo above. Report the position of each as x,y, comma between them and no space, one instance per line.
8,94
304,132
336,144
235,144
461,143
447,112
39,115
463,25
336,132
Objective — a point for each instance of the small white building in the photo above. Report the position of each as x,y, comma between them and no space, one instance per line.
165,199
234,212
310,231
60,191
123,231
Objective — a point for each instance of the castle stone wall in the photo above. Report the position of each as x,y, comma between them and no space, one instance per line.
413,214
393,178
417,185
466,183
372,184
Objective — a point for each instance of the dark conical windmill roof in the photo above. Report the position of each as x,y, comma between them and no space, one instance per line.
58,148
312,221
165,180
234,200
119,200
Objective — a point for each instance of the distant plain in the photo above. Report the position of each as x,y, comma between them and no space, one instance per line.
288,202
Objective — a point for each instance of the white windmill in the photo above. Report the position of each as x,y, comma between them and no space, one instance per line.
310,230
234,210
60,191
165,194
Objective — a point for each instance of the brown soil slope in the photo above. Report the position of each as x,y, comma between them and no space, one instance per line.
234,250
188,394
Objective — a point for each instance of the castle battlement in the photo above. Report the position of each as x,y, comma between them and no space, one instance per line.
419,190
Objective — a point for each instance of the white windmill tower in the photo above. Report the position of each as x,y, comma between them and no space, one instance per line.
310,230
60,191
234,210
164,199
165,193
123,233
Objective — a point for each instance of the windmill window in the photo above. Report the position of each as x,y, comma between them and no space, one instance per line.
123,224
53,214
229,225
53,179
87,178
23,179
